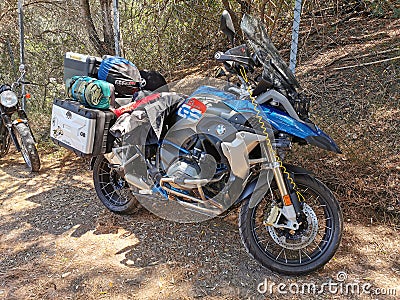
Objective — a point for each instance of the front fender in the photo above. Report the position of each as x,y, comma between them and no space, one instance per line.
309,132
13,129
283,122
251,186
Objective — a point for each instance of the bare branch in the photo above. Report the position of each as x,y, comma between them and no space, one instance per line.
367,64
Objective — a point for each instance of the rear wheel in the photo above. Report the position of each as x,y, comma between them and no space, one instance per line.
28,147
112,189
302,251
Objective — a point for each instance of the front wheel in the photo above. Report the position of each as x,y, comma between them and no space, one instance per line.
300,252
112,189
28,147
5,140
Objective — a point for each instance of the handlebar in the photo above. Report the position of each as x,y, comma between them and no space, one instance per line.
223,57
20,81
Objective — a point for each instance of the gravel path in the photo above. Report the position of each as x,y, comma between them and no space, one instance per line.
58,242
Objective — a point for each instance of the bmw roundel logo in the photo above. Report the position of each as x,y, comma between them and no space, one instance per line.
220,129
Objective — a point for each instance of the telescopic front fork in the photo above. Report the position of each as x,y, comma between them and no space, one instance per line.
291,208
9,125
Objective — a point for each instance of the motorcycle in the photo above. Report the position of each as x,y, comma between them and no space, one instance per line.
222,148
16,129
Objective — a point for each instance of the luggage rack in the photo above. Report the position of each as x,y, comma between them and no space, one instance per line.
80,64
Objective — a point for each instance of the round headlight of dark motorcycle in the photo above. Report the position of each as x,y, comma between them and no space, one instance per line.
8,99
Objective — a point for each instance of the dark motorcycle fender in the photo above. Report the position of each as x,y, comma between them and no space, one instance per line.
92,161
246,194
22,120
297,170
13,137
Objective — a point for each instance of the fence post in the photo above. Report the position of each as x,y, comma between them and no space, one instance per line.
295,35
116,28
21,47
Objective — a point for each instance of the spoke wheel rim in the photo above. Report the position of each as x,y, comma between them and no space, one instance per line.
297,241
295,257
113,186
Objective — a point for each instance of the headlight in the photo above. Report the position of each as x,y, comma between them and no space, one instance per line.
8,99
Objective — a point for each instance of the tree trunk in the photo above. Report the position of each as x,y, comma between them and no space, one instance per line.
102,47
107,9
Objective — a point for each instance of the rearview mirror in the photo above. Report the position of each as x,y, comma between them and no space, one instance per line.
227,26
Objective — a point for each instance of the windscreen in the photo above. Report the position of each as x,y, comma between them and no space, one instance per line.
266,52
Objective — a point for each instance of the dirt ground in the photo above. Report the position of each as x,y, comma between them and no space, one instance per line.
57,241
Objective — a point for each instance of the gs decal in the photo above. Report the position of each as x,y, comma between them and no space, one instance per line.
192,109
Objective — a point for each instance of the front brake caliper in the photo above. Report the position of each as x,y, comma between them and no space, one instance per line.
274,218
